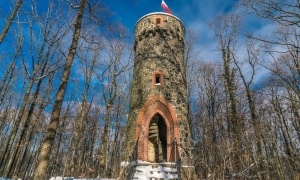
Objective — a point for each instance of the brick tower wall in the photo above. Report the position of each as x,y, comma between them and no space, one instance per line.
159,53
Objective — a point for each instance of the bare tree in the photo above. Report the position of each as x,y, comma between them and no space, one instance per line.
191,61
41,68
208,127
284,12
226,30
10,19
47,145
77,149
116,63
251,59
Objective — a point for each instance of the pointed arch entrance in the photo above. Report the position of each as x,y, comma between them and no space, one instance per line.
157,139
157,127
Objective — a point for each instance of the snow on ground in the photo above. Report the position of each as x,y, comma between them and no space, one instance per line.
149,172
71,178
66,178
146,170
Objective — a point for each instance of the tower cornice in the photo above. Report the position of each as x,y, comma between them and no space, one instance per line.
160,13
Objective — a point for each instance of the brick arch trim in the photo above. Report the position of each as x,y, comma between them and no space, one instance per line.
156,105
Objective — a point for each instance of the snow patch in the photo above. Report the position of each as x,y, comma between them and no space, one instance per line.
149,171
72,178
65,178
124,163
61,178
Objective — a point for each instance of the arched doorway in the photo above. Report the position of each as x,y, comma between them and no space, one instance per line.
156,107
157,139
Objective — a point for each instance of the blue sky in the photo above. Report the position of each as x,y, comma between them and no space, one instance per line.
189,11
195,14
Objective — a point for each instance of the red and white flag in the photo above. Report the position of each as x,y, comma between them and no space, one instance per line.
164,5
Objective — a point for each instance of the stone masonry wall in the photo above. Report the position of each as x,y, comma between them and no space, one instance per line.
159,51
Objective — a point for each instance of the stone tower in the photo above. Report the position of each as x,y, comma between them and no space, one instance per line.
157,126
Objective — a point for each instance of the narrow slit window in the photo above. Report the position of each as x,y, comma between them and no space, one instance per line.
157,79
158,22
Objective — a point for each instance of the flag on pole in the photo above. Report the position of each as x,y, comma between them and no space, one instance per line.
164,5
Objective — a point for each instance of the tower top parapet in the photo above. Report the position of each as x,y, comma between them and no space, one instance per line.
159,13
153,19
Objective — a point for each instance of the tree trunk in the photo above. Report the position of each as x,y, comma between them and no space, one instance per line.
83,114
46,147
24,127
254,118
103,154
13,133
233,122
8,75
10,19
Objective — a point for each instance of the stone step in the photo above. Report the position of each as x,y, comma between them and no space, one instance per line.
153,131
155,165
153,126
152,136
155,171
